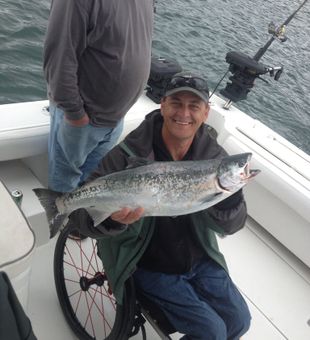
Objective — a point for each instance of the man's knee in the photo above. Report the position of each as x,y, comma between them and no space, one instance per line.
211,328
239,324
216,330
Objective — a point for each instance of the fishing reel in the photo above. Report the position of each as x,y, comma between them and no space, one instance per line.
277,32
244,71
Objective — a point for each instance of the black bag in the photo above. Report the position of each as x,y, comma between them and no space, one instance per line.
14,323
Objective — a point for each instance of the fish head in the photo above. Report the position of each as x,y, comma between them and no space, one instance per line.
234,172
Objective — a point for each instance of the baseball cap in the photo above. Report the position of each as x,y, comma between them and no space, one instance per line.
188,82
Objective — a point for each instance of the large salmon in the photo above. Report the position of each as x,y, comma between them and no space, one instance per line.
161,188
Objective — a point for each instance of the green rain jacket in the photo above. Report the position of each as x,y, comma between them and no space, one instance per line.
121,251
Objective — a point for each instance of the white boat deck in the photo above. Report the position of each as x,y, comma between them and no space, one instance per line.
275,284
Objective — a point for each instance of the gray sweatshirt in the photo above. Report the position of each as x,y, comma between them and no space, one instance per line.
97,56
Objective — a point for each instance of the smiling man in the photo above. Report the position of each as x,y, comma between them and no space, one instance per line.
184,109
175,261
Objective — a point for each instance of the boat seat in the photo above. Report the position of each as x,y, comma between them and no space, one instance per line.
24,129
17,243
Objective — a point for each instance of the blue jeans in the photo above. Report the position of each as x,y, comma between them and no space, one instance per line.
204,303
75,152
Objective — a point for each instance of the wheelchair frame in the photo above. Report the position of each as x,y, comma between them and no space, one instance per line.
87,301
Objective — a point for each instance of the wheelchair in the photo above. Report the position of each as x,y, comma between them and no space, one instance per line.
87,301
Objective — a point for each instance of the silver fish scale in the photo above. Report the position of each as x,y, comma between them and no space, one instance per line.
160,178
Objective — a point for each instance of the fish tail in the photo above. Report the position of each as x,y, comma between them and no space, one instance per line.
47,199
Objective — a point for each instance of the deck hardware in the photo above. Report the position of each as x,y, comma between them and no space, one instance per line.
17,196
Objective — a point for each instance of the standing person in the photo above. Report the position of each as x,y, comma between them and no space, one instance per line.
97,57
175,261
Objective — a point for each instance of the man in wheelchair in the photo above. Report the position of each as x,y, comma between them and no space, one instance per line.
175,261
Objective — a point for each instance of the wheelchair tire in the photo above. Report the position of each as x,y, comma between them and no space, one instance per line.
85,298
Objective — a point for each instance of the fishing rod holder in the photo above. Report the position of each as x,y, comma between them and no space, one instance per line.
244,71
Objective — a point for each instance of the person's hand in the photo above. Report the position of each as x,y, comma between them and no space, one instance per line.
127,216
79,122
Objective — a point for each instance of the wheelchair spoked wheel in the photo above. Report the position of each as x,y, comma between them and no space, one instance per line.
84,294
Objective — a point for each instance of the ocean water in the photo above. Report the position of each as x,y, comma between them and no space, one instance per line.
198,34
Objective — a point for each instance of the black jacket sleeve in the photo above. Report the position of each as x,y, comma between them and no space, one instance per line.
81,221
230,214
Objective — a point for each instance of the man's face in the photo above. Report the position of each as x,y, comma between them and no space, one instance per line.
183,114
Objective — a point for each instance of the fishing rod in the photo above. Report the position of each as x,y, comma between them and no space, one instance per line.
246,69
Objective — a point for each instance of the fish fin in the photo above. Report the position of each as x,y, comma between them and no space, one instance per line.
47,199
97,215
135,162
